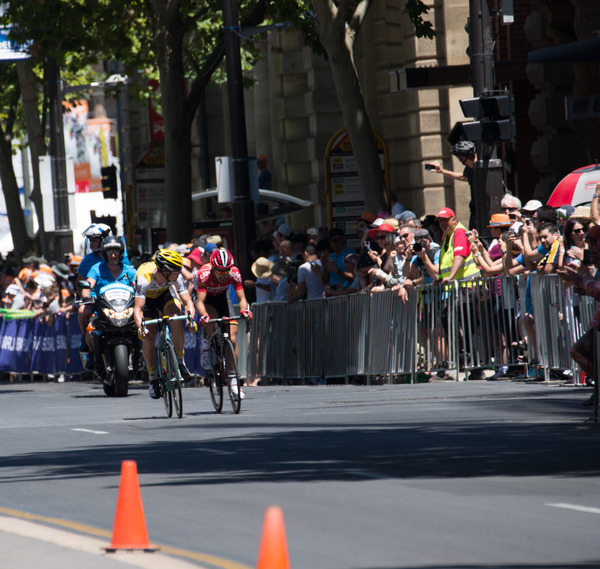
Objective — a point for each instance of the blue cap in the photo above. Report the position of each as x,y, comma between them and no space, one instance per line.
406,215
210,247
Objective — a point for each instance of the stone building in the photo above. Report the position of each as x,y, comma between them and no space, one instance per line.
292,110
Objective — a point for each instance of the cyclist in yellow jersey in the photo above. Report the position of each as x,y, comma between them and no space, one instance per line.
160,289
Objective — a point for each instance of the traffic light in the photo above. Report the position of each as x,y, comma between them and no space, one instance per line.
496,114
109,182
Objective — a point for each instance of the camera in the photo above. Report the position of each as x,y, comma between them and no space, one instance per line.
417,247
429,167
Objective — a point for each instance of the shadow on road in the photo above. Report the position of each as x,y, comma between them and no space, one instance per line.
309,452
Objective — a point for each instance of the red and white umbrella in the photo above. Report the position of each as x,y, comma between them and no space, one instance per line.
576,188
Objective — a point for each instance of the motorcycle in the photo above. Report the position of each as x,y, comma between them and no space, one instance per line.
117,348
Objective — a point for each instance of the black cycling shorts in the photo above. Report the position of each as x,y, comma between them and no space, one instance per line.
155,307
220,303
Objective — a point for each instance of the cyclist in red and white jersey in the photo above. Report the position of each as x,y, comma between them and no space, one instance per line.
213,280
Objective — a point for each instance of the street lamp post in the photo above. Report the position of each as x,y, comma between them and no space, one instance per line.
244,229
487,170
63,235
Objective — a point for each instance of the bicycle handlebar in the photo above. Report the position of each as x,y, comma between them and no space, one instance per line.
165,319
225,319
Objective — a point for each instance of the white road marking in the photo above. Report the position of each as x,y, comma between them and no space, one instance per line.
577,508
90,431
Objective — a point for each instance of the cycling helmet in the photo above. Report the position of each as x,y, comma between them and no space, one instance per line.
167,260
464,148
221,259
112,243
97,230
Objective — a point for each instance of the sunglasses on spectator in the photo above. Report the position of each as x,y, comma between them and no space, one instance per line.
511,209
580,230
380,237
404,235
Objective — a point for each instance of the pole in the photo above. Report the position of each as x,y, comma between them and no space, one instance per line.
63,235
487,170
244,228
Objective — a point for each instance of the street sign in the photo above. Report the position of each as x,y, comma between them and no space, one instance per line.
10,50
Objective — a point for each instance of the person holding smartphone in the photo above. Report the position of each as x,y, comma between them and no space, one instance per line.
465,152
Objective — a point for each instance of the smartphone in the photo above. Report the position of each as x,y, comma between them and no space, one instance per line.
429,167
516,227
587,258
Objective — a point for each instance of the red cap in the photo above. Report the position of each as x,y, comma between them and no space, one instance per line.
196,255
445,213
386,227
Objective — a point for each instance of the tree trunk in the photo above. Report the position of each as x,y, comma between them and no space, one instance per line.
22,243
338,40
37,146
168,38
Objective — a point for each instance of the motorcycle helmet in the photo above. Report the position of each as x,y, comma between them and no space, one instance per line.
96,231
167,260
221,259
464,148
112,242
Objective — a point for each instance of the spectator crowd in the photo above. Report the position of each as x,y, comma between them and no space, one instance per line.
381,252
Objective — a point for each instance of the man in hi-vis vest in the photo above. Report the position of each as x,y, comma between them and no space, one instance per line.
456,258
458,264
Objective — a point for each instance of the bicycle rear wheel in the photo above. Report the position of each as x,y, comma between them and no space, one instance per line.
174,379
231,375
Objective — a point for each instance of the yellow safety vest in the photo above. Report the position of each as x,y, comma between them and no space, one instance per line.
469,268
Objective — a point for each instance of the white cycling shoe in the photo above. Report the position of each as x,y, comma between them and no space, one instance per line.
237,390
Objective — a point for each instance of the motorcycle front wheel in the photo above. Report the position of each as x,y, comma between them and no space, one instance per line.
121,372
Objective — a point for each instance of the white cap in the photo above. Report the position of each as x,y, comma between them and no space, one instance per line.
12,289
532,205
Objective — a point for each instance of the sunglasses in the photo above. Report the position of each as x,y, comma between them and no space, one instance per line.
222,271
380,237
580,230
404,236
167,274
511,208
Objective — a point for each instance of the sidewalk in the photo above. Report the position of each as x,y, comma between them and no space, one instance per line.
31,546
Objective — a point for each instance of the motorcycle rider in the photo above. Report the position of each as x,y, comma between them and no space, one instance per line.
160,288
94,235
111,269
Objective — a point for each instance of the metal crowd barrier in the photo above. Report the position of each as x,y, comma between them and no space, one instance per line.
455,328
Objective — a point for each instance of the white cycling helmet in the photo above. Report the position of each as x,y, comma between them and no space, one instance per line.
97,230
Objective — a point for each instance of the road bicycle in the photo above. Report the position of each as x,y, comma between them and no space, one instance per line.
224,370
169,376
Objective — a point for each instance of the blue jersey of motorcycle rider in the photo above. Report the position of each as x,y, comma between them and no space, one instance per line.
102,275
95,233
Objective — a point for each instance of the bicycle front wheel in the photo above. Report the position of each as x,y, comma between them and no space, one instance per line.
163,381
168,401
174,379
231,375
213,375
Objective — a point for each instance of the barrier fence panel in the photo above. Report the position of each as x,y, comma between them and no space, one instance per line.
403,335
341,338
378,340
316,351
454,327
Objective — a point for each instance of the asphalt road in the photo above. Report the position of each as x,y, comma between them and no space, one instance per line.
446,475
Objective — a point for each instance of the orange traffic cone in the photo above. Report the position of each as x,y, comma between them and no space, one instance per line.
129,529
273,552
